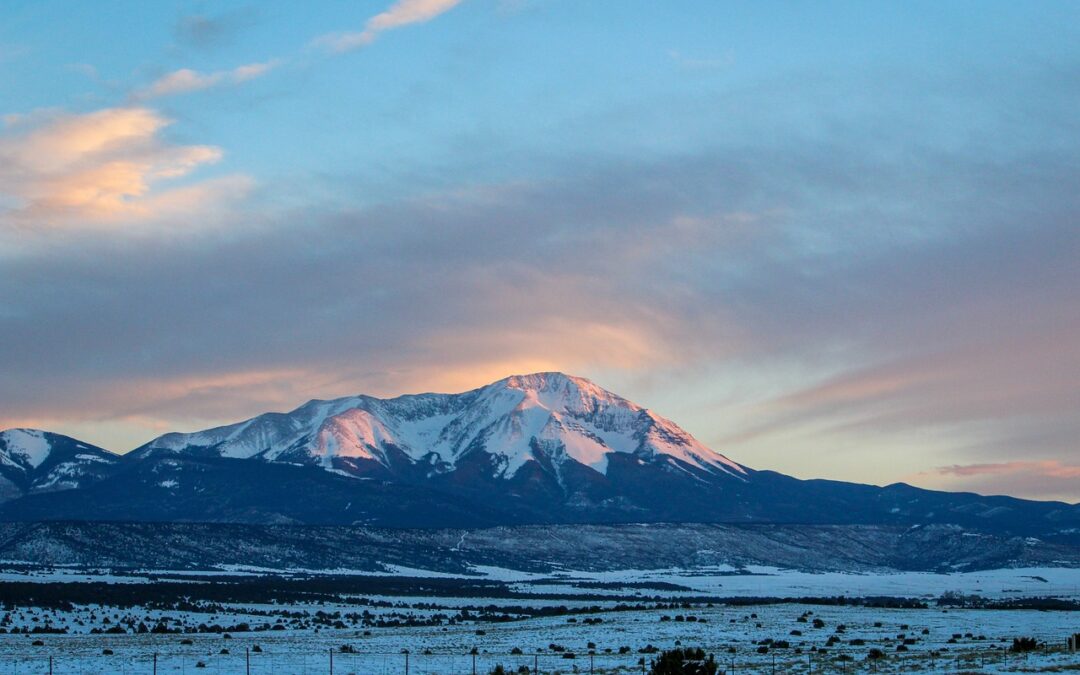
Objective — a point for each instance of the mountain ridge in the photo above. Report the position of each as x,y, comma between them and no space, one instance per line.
502,418
33,460
545,448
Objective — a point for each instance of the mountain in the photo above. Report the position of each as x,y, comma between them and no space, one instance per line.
535,548
545,448
33,461
554,421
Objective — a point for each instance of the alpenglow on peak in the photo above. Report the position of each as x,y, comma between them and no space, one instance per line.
549,419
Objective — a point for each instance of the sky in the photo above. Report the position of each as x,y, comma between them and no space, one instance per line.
833,239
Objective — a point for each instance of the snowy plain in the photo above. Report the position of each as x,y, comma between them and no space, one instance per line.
929,639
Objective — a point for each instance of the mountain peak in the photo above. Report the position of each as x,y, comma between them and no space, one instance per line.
547,419
545,380
31,446
555,390
32,460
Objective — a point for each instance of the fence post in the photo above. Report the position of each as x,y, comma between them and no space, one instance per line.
331,661
536,664
155,663
50,666
474,662
247,660
406,662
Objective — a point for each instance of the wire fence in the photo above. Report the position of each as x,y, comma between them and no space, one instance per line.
290,662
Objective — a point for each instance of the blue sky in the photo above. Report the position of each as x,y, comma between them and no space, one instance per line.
832,239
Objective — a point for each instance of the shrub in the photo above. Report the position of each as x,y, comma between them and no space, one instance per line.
687,661
1024,644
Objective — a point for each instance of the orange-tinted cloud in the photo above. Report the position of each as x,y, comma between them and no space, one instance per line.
95,167
401,13
185,80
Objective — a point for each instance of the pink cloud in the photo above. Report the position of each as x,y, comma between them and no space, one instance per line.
401,13
99,167
1049,468
185,80
1036,479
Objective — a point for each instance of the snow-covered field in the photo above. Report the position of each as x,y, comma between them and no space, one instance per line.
751,581
597,629
435,650
772,582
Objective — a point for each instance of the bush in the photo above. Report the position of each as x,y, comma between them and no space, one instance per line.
684,662
875,654
1024,644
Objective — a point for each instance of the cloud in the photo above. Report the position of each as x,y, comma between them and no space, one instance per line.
401,13
859,303
201,31
96,167
661,265
1046,468
185,80
1050,478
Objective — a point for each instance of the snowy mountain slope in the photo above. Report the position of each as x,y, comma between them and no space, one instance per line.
36,461
548,419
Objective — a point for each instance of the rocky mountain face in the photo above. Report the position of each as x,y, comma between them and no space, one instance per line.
545,448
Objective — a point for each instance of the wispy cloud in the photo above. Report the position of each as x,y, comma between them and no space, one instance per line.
1050,468
101,166
1049,478
186,80
203,31
401,13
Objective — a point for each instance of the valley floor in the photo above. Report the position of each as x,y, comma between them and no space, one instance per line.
565,622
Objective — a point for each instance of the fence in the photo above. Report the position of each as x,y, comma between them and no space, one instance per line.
244,661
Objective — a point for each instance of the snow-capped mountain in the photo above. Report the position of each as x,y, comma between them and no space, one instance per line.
546,420
541,448
37,461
